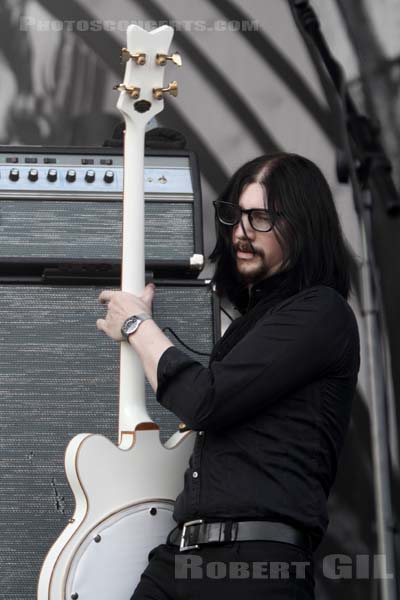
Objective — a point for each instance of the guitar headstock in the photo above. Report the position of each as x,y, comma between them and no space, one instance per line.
145,56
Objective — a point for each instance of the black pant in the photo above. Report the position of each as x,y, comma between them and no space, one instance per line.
267,570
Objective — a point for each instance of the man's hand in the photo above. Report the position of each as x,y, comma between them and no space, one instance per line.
122,305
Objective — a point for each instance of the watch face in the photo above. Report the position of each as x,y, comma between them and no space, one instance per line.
130,325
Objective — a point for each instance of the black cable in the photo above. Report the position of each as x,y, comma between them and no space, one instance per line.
183,343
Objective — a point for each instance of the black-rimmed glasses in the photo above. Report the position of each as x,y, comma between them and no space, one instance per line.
231,214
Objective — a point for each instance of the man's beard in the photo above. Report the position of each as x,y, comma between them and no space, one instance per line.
250,271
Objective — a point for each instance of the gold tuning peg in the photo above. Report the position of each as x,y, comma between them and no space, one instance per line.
134,92
161,59
139,57
171,89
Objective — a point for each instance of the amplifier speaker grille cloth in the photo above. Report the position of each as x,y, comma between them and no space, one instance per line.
92,229
58,378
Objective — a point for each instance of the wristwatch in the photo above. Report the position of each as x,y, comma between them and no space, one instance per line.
131,324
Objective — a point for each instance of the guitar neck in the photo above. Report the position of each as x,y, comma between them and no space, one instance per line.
133,256
140,100
132,401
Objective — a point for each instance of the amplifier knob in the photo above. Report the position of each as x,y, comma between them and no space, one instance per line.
71,175
109,176
33,175
14,174
90,176
52,175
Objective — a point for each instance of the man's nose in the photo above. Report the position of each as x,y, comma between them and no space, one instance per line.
243,228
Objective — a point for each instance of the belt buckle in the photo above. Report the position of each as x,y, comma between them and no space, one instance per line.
182,546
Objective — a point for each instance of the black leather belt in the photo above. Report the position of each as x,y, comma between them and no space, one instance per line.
193,533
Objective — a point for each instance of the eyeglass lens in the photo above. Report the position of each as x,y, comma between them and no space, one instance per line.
230,214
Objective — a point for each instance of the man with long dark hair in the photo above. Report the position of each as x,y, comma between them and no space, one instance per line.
272,409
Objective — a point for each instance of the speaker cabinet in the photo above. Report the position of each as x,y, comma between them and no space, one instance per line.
58,378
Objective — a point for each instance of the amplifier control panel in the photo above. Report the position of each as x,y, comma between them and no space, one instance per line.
50,172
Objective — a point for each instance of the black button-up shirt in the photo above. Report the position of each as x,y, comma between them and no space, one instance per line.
271,415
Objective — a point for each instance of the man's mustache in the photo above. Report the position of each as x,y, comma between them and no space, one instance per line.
245,247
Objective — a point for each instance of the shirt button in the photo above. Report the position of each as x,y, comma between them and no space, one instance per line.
195,474
201,432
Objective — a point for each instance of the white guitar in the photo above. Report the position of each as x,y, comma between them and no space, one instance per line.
124,495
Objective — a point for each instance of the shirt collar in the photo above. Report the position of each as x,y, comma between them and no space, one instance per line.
277,286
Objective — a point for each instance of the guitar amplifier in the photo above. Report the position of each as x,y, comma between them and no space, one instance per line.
58,378
66,203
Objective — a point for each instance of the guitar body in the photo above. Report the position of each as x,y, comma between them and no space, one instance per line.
124,494
122,512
